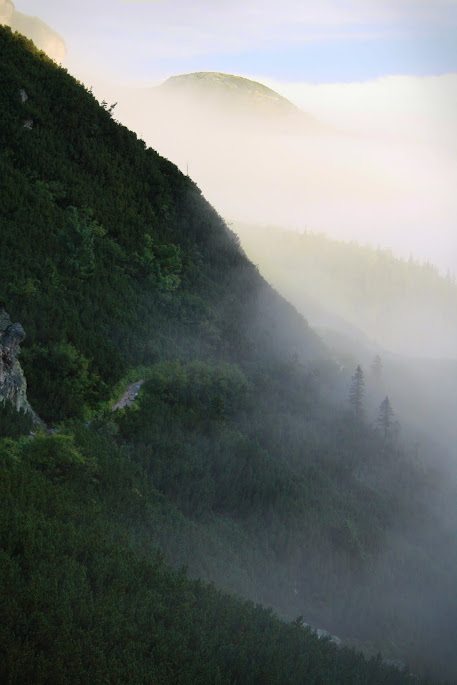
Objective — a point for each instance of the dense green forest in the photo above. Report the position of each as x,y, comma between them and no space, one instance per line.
87,599
241,458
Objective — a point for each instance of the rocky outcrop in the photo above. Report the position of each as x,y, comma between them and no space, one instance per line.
129,395
13,386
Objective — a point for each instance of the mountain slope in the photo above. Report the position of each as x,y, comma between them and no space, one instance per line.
402,306
92,233
232,459
365,302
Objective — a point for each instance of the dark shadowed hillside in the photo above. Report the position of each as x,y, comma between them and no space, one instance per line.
240,458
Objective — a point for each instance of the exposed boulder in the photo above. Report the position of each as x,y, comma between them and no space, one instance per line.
129,395
13,386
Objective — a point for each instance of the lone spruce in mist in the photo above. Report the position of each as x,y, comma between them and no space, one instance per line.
386,418
356,393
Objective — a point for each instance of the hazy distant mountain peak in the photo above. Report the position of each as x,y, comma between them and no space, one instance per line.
214,85
235,96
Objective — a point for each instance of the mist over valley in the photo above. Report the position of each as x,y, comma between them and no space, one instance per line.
278,165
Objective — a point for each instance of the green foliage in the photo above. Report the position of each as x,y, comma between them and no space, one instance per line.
110,249
213,391
14,423
59,380
232,460
259,483
55,455
78,237
84,600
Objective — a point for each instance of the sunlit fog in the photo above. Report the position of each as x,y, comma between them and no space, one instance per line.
376,163
35,28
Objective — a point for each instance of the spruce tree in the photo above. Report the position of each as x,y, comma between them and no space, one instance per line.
385,419
356,392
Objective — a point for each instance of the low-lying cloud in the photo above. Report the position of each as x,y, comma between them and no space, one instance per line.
383,173
34,28
422,109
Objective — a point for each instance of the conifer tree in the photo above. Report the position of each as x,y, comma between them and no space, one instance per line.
385,419
356,392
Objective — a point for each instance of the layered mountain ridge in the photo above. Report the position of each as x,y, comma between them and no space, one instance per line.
279,165
239,458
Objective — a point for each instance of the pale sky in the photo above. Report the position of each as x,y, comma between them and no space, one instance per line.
292,40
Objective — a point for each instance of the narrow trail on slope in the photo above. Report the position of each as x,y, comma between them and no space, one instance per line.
129,395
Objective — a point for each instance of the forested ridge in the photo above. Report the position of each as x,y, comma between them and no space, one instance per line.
240,459
404,305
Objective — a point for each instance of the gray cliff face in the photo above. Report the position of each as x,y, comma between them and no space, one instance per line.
13,386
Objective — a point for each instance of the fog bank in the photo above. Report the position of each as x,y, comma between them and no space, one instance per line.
374,164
